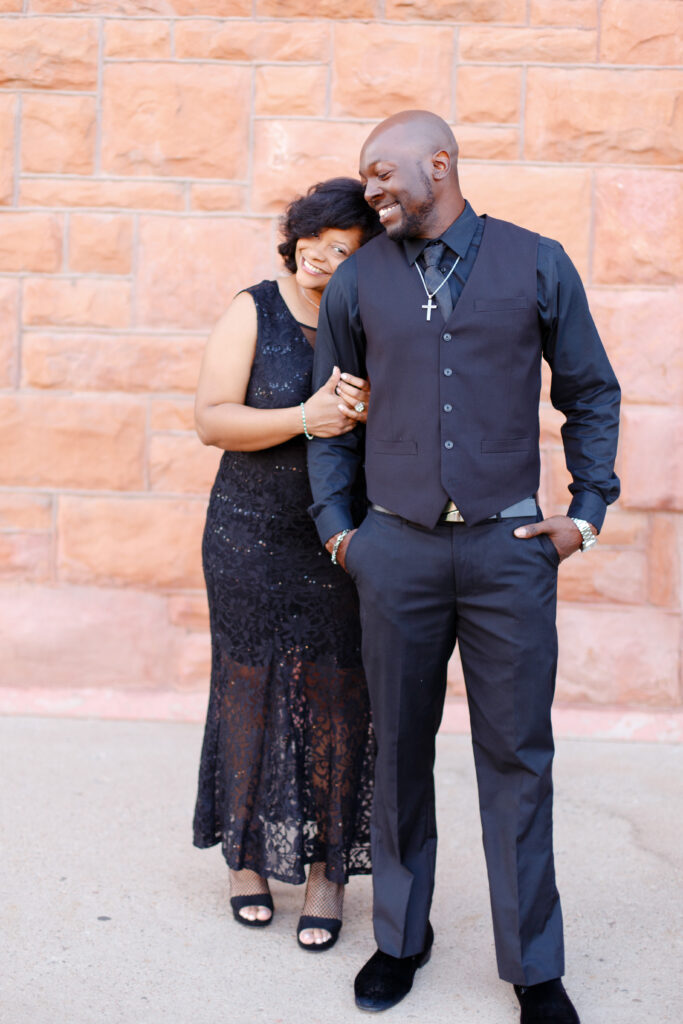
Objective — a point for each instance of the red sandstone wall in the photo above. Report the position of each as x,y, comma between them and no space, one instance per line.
146,147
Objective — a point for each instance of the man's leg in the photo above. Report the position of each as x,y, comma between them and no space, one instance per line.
506,630
405,582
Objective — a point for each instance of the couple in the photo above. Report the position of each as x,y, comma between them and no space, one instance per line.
447,314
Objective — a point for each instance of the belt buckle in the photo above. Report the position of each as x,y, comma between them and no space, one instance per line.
452,514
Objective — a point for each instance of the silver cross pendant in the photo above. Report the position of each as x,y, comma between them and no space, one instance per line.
429,306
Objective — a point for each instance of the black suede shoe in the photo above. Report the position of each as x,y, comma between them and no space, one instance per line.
386,980
547,1003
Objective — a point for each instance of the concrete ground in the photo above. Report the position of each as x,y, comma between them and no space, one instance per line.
110,916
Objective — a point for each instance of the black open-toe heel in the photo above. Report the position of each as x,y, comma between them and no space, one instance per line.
263,899
330,924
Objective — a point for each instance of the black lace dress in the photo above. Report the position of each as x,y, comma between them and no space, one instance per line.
286,764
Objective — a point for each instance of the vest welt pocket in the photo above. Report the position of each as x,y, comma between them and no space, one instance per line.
393,447
500,445
500,305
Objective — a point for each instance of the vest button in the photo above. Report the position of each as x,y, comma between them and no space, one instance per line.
448,407
447,372
448,444
447,336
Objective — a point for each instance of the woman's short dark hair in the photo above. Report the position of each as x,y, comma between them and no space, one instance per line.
337,203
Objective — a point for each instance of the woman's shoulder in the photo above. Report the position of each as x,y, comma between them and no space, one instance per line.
264,290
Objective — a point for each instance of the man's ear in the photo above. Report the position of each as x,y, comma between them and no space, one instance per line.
441,164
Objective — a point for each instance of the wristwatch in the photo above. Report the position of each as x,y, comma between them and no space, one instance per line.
589,539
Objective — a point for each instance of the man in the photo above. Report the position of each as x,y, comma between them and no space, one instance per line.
449,315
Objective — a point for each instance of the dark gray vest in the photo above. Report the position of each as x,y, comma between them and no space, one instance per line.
454,407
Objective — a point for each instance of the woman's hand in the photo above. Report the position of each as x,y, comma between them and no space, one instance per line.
354,391
325,416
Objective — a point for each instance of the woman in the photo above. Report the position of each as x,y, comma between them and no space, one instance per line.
285,771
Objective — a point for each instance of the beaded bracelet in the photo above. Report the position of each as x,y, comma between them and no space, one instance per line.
309,437
337,544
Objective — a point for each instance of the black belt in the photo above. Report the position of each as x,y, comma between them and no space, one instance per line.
452,514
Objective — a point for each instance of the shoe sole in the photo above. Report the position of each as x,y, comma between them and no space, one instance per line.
379,1007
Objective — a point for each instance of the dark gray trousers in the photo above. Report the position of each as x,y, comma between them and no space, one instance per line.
420,591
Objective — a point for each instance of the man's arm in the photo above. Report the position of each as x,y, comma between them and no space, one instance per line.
585,389
334,462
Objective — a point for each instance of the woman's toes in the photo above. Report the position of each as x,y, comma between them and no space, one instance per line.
264,913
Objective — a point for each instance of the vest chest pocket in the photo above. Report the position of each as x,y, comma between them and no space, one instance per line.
500,445
500,305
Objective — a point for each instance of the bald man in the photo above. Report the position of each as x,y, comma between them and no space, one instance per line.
449,314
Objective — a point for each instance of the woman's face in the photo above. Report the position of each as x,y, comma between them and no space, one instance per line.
317,258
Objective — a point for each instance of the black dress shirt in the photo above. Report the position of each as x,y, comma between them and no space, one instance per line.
583,384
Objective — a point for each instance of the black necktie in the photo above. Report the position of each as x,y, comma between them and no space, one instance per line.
434,279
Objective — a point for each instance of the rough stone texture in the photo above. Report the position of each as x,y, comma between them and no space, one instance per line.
173,119
9,331
58,134
8,106
81,302
147,149
145,542
100,242
606,115
634,212
369,78
641,32
62,441
48,53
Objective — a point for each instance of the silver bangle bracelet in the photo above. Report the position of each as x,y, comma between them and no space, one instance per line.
337,543
309,437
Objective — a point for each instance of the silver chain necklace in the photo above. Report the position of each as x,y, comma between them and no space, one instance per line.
429,305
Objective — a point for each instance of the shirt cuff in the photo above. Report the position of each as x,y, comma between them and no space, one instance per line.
331,519
589,506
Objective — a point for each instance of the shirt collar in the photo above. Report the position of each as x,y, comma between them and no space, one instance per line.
457,236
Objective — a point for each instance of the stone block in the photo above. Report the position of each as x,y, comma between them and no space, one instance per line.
605,575
634,213
76,302
379,69
457,10
146,40
323,9
624,529
559,480
145,542
67,441
192,661
291,155
618,655
30,241
641,32
486,142
111,8
488,94
100,243
252,41
572,13
551,421
189,611
642,330
214,8
218,198
48,53
603,115
181,464
664,561
84,362
58,134
9,331
165,118
66,637
293,90
25,557
127,195
649,462
189,269
550,45
25,512
7,132
11,6
554,201
171,414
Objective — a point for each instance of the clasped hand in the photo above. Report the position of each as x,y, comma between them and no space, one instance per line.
331,411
